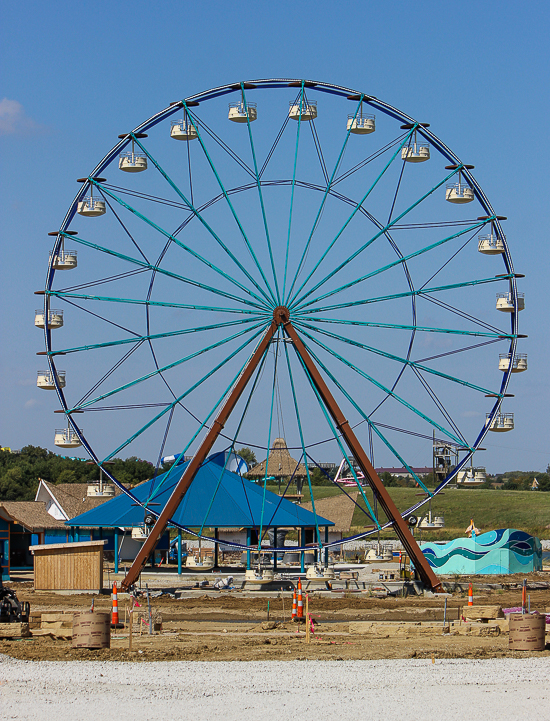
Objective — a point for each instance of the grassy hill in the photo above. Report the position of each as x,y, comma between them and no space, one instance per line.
526,510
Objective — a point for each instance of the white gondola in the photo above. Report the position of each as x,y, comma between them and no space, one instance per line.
132,162
490,244
66,438
519,364
505,302
308,110
55,319
459,193
91,207
501,423
362,124
239,114
182,130
63,259
417,152
472,476
46,380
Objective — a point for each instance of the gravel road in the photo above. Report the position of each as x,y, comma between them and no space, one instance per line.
497,689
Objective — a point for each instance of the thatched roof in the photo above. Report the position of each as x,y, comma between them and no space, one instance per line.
338,509
280,463
73,497
31,514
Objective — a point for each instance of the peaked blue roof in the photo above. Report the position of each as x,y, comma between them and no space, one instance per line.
237,503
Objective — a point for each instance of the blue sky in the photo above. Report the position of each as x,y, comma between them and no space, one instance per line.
75,76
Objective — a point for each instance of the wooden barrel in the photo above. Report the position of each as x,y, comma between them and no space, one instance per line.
92,630
527,632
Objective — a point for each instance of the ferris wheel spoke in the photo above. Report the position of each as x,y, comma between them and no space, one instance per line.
402,260
168,273
420,328
259,186
185,247
391,356
384,149
270,426
199,216
469,317
179,362
439,405
299,300
186,393
230,204
153,303
296,298
323,202
379,385
372,426
136,335
406,294
107,375
153,336
125,229
304,454
103,281
231,448
370,513
301,101
196,121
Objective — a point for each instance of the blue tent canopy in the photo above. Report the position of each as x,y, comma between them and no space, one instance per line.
237,503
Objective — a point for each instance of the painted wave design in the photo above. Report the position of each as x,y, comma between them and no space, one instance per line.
500,551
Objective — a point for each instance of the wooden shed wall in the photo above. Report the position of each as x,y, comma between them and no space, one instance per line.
68,568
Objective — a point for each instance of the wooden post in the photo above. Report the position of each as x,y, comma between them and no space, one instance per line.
307,619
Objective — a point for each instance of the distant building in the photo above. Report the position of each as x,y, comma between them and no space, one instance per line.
403,472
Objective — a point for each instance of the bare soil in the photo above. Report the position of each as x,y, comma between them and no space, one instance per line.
233,626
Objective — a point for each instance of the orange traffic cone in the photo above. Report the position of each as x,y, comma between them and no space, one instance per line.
114,617
300,613
470,595
294,612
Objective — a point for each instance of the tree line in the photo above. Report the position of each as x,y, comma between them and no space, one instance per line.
20,472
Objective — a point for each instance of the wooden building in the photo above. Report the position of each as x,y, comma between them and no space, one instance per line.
68,566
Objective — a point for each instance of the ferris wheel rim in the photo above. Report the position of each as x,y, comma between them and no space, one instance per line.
321,87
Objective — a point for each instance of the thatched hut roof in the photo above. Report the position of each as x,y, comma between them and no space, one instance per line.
280,463
338,509
32,515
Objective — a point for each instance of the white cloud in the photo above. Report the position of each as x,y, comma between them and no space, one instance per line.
30,403
14,120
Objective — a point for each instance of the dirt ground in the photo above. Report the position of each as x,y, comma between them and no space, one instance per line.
234,626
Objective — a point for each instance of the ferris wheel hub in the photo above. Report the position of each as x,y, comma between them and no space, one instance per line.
281,314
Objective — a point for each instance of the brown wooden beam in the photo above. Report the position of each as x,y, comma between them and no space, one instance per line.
390,509
197,460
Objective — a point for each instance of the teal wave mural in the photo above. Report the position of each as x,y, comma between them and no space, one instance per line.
505,550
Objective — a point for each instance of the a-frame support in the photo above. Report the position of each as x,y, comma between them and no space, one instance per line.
281,316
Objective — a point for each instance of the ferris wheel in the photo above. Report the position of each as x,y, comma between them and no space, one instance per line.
306,261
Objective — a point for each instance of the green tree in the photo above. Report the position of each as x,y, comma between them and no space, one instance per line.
248,455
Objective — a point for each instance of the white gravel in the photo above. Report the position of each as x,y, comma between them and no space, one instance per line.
493,690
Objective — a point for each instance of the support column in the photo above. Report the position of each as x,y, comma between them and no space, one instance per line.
179,553
326,549
275,551
301,539
248,542
216,548
116,550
